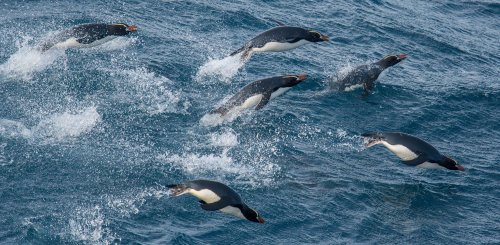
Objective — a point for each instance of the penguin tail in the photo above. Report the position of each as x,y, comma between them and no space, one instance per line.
371,139
245,51
177,189
237,51
221,111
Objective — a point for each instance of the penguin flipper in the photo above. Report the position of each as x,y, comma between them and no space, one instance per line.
265,99
417,161
215,205
368,87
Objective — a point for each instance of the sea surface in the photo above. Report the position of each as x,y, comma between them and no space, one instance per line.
90,137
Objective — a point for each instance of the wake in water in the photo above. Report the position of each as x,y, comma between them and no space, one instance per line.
57,127
27,61
223,69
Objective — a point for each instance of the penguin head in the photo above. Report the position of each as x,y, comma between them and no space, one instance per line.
391,60
251,214
451,164
292,80
314,36
122,29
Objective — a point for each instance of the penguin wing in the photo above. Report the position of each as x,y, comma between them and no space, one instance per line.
265,99
222,203
422,157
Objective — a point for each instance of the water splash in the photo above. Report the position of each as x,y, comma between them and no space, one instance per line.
69,124
57,127
151,92
28,60
223,69
131,202
88,225
252,165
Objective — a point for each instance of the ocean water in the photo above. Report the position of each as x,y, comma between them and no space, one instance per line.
90,137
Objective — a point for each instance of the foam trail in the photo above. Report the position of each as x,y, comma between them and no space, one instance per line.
215,119
88,225
27,61
224,69
68,124
9,128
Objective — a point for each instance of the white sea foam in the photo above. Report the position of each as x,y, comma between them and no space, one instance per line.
68,124
13,129
223,69
224,139
348,142
251,165
152,92
57,127
88,225
27,61
3,159
130,203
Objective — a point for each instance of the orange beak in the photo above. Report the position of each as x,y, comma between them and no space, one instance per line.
302,77
132,28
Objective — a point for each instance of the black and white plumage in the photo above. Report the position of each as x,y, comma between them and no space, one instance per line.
365,75
412,150
257,94
216,196
86,35
279,39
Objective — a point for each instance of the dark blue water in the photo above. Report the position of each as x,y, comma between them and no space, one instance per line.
89,137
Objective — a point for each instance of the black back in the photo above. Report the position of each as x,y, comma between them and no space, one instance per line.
86,34
222,190
413,143
364,74
264,86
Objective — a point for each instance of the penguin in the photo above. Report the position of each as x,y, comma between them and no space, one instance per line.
257,94
216,196
365,75
86,36
412,150
281,38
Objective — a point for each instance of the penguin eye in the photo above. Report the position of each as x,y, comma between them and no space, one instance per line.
316,34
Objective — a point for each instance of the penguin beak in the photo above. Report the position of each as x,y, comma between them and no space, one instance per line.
325,38
261,220
402,56
132,28
459,167
302,77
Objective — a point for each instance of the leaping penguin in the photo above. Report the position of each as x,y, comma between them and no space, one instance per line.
412,150
279,39
216,196
365,75
257,94
87,35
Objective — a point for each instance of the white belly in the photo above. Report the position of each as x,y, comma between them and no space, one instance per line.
209,196
430,165
401,151
353,87
278,47
279,92
206,195
72,43
233,211
251,102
